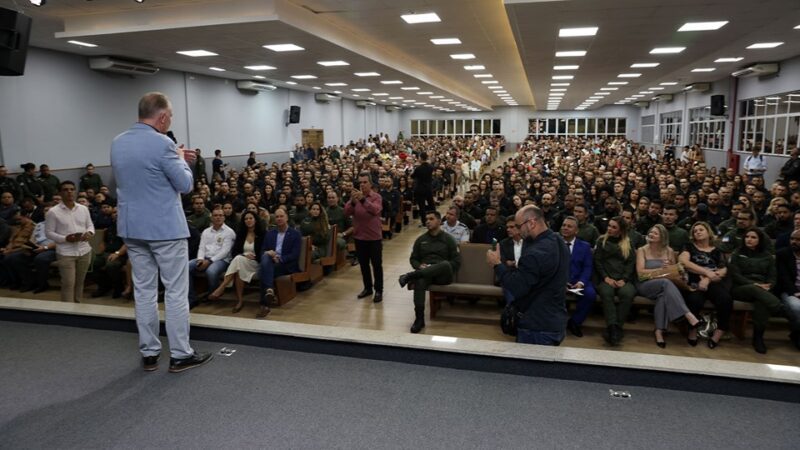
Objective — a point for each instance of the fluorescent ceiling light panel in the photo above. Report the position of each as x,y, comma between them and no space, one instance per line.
483,75
617,83
410,88
644,65
259,67
333,63
703,69
437,96
666,50
446,41
421,18
570,53
367,74
408,101
629,75
381,94
668,83
304,77
475,67
391,82
317,88
335,84
602,93
395,98
655,89
559,84
490,82
609,89
291,82
574,32
725,60
217,69
646,92
425,93
495,87
765,45
703,26
196,53
260,77
557,94
566,67
558,90
82,44
563,77
463,56
284,48
360,90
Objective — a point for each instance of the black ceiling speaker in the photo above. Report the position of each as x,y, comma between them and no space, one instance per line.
15,31
717,105
294,114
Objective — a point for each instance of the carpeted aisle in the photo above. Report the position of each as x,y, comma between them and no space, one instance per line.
66,387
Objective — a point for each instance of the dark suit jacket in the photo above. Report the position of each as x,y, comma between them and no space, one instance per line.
291,247
787,271
507,250
580,263
481,233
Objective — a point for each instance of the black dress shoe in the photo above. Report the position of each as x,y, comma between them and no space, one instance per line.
403,280
712,344
150,363
418,325
574,328
364,293
196,360
378,297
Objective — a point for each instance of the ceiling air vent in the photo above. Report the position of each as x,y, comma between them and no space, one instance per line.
107,64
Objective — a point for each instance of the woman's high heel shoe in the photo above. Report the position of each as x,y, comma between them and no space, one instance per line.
660,344
712,344
237,308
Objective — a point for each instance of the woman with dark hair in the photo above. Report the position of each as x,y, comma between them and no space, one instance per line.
708,277
251,160
316,226
245,264
754,273
615,269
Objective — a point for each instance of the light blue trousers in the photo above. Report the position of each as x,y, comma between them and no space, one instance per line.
172,259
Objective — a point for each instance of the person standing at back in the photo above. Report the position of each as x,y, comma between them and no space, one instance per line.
423,187
151,174
365,206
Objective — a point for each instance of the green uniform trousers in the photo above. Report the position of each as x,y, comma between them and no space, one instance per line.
764,303
616,313
439,273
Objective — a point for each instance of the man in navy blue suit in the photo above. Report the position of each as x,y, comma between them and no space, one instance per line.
281,250
580,274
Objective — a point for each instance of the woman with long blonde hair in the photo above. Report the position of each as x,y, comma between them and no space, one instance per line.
615,267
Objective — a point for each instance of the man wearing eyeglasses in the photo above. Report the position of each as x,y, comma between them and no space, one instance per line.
537,284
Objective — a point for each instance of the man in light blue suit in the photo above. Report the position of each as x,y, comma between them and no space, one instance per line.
151,173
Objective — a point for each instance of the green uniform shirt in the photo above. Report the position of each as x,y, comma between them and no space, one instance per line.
200,221
92,181
678,238
429,249
609,262
748,267
50,184
588,232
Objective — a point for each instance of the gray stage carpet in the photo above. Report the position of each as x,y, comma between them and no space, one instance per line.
64,387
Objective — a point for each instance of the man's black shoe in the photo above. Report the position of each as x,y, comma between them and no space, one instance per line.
574,328
364,293
418,325
403,280
198,359
378,297
150,363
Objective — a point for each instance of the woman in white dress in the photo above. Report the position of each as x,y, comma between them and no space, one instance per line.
245,264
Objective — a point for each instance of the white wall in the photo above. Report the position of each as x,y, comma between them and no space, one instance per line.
514,119
64,114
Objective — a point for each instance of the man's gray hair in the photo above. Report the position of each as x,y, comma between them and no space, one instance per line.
152,104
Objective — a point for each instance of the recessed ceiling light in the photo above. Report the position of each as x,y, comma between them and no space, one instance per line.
410,88
291,83
333,63
391,82
572,32
82,44
617,83
463,56
668,83
355,95
380,94
609,89
335,84
436,97
284,47
644,65
317,88
217,69
367,74
395,98
408,101
360,90
702,26
446,41
260,77
489,82
558,90
495,87
476,67
421,18
646,92
559,84
425,93
557,94
703,69
725,60
765,45
570,53
655,89
261,67
304,77
629,75
196,53
563,77
637,96
596,97
666,50
573,67
602,93
797,27
483,75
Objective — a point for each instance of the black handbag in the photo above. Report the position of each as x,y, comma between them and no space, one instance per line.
509,319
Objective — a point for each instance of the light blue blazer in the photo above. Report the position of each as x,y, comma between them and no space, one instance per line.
150,180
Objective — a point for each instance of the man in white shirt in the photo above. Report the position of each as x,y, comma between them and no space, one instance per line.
70,226
755,165
213,256
511,250
453,227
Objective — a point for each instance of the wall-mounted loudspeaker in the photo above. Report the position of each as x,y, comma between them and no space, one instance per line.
15,31
294,114
717,105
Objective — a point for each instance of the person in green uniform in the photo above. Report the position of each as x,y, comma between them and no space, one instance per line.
678,237
586,230
49,182
199,168
91,180
435,259
200,217
29,186
615,269
336,216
